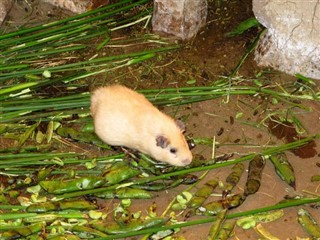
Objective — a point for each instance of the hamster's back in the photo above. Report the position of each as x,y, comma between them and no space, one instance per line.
122,116
117,97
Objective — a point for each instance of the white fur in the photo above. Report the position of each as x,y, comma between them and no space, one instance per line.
123,117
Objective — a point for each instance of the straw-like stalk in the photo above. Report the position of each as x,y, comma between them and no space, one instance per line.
27,54
13,110
16,160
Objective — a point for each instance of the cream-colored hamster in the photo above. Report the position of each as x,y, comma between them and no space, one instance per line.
123,117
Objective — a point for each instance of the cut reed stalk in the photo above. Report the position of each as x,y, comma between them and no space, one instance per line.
12,110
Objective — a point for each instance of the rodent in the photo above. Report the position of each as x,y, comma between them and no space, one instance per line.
123,117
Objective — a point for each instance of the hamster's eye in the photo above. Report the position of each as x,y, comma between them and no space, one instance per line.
173,150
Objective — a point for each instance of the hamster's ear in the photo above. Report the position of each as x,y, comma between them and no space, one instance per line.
162,141
181,125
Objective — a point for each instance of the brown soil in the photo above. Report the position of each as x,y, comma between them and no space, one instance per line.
204,59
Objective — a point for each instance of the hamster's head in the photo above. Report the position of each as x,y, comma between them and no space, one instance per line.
170,146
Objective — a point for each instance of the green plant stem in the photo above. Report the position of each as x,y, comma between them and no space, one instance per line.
62,214
44,40
166,96
12,207
93,64
76,19
35,159
32,56
287,204
12,216
247,53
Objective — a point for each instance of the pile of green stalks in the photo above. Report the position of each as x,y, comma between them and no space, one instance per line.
63,107
48,193
63,51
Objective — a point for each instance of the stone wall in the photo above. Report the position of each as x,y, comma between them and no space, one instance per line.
292,41
76,6
5,6
182,18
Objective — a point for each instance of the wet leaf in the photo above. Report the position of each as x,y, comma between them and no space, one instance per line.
71,185
213,208
203,193
234,177
39,137
284,169
264,233
251,221
24,137
309,223
119,172
49,131
136,225
46,74
34,189
243,26
216,225
95,214
256,167
125,192
61,205
315,178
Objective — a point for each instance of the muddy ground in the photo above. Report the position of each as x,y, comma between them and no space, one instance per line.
238,123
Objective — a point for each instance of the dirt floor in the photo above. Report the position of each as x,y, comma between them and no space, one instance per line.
238,123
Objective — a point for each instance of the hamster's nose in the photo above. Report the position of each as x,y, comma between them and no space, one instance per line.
186,161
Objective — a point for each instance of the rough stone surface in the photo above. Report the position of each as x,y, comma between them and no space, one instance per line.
292,41
5,6
182,18
76,6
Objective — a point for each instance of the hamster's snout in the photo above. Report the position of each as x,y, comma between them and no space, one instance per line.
186,161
